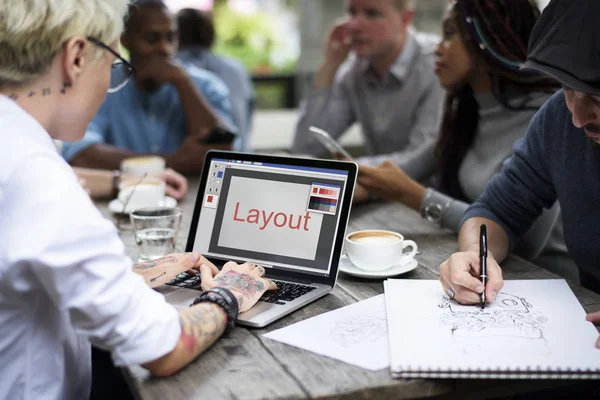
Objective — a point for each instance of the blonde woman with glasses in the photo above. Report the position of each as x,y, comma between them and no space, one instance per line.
65,281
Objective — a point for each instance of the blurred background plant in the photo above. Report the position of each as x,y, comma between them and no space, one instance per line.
262,35
257,36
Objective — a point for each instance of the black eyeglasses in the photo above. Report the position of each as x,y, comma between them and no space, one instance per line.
122,70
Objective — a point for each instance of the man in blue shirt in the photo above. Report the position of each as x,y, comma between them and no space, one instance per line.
559,159
196,37
168,110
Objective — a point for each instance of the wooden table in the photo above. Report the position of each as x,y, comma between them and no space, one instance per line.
248,366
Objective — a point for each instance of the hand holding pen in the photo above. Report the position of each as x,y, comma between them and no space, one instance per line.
473,276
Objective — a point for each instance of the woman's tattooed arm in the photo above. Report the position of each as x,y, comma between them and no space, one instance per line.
201,326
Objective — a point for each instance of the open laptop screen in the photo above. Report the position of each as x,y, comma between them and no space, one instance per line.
276,215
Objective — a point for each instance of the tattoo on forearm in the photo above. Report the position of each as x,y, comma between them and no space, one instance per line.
156,277
245,284
154,263
201,326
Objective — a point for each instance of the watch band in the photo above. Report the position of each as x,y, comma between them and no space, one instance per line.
224,299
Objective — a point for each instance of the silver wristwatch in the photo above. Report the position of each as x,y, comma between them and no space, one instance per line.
432,207
433,212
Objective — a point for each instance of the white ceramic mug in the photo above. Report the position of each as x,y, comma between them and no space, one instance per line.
143,165
135,194
378,250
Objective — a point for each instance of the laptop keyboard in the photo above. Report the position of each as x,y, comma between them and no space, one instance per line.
185,280
286,291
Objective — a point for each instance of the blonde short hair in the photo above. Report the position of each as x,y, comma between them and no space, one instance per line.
33,32
405,4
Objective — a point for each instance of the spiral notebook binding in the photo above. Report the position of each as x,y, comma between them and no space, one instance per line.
529,372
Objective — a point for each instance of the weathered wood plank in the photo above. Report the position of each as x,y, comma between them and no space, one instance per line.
236,367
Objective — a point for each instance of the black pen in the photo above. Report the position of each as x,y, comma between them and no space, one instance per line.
483,260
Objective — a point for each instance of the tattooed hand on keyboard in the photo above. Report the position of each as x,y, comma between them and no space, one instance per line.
246,281
158,272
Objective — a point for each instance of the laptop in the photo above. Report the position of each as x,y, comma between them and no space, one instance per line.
288,215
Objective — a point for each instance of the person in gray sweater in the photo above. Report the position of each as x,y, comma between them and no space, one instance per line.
489,105
559,159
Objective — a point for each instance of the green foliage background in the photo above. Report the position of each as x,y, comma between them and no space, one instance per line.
249,38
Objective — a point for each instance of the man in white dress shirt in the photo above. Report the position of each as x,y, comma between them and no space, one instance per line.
65,281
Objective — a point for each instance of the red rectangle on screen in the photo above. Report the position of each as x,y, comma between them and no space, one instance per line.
315,190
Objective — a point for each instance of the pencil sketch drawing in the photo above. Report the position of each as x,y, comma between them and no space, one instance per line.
357,330
509,324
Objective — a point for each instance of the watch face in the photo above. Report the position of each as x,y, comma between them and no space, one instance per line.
433,212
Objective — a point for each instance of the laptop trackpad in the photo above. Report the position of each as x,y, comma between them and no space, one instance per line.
261,308
182,298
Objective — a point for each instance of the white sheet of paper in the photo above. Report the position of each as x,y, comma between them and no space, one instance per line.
536,324
355,334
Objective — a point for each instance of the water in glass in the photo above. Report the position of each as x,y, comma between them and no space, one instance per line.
154,243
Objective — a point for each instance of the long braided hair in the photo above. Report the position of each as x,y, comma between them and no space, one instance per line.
495,33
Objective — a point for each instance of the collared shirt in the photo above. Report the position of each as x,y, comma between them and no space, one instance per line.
235,76
64,278
143,122
397,113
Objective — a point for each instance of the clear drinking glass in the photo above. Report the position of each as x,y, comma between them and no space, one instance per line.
155,230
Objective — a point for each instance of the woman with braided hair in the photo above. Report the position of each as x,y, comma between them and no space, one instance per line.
490,102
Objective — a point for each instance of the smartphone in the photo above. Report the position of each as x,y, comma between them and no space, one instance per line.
219,135
330,144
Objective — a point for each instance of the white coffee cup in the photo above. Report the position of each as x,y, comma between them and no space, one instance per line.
378,250
143,165
135,194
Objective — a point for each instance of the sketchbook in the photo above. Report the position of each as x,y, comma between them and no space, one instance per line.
535,329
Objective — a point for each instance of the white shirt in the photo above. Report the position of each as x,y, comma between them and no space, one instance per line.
64,278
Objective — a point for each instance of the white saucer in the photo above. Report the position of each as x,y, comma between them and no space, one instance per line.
116,207
402,268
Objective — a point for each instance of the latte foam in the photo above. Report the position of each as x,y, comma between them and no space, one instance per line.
144,160
375,239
